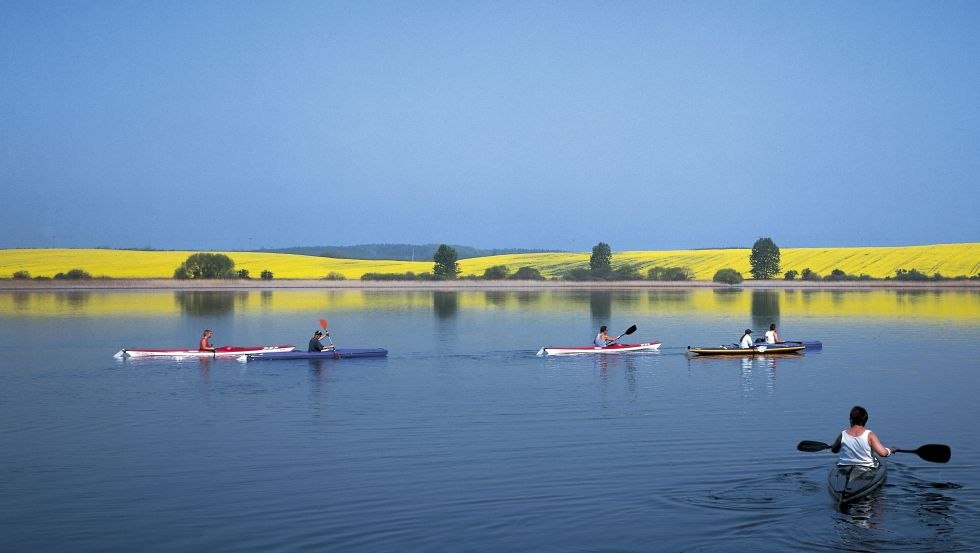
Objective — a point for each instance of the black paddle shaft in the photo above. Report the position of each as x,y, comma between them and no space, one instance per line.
934,453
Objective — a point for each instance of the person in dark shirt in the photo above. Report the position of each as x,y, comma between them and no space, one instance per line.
316,343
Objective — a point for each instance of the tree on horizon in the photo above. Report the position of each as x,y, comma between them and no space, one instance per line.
601,261
764,259
445,267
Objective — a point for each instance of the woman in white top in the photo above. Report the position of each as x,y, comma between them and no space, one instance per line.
771,336
857,443
746,341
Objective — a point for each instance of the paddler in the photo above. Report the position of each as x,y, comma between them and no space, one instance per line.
857,442
205,343
316,342
746,341
602,339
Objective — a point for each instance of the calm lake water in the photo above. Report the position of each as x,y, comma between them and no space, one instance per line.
464,440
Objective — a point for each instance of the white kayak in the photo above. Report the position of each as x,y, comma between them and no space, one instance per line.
613,348
225,351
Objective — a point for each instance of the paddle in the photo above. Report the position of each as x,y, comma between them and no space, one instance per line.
323,325
629,331
934,453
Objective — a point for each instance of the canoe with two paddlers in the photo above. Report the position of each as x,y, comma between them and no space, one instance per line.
757,349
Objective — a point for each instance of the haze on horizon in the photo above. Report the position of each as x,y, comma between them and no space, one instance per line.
646,125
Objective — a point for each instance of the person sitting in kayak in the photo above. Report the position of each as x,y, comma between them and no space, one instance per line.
205,343
856,443
316,343
771,336
746,341
602,339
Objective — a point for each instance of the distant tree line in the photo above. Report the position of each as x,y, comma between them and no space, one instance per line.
213,266
398,252
906,275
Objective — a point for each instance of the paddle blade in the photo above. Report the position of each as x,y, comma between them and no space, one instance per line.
811,446
934,453
323,324
630,330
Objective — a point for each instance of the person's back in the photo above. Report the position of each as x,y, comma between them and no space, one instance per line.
857,445
855,450
746,341
771,336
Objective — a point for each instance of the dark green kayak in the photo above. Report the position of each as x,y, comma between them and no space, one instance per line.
849,482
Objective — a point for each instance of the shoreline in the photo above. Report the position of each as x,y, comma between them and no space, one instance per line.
12,285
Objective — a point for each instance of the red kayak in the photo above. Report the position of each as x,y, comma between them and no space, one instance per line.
225,351
613,348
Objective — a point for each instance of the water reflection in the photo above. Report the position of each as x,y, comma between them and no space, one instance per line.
600,306
495,298
765,309
669,296
445,303
74,299
727,296
209,302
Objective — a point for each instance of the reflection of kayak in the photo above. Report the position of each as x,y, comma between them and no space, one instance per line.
339,353
614,348
758,349
226,351
850,482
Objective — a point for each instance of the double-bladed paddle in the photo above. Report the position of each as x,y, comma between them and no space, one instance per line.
629,331
323,325
934,453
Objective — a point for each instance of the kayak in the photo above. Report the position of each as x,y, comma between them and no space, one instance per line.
225,351
758,349
613,348
849,482
810,344
339,353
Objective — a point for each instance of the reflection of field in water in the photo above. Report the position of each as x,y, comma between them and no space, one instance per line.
960,306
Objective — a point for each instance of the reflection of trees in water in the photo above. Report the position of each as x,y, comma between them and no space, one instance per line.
765,309
197,302
527,297
445,303
669,296
600,305
266,298
496,298
22,300
73,299
727,295
500,298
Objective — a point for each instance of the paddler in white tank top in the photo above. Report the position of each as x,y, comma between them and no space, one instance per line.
857,443
602,339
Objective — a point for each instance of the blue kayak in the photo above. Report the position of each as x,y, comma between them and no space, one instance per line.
810,344
339,353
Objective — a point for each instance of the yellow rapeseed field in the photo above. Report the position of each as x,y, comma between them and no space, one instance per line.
947,259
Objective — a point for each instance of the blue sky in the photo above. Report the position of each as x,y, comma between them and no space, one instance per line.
646,125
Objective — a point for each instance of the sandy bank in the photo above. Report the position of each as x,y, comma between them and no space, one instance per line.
170,284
